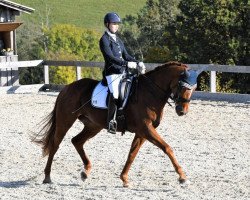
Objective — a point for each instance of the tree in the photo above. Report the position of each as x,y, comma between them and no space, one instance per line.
195,31
214,31
146,31
29,48
32,45
67,42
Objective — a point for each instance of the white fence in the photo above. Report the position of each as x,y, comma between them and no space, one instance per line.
149,66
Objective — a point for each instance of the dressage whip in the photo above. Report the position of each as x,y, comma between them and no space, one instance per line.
112,82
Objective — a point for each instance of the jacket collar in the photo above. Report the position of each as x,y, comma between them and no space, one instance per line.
112,35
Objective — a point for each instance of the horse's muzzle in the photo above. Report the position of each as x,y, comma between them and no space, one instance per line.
180,111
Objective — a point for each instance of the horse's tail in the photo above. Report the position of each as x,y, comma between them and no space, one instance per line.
45,137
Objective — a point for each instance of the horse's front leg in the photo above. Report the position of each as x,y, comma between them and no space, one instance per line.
136,145
155,138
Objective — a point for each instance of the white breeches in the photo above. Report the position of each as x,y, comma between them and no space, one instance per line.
113,84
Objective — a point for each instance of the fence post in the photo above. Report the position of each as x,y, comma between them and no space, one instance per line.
213,81
46,74
78,72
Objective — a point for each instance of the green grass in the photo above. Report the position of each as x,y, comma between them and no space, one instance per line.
83,13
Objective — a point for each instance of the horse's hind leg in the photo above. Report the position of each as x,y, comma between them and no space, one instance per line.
58,137
79,140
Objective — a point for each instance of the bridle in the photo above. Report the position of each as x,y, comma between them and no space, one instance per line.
175,97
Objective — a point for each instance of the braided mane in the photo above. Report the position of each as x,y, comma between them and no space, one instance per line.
167,65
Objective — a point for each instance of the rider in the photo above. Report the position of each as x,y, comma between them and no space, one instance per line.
117,60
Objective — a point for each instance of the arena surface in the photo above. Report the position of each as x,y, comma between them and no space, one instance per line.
212,144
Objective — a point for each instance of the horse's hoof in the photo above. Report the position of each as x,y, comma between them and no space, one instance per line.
47,180
182,180
127,185
84,176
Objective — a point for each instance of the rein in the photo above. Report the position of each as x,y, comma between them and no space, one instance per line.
175,97
160,89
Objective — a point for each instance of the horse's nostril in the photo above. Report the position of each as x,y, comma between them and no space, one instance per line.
179,108
181,113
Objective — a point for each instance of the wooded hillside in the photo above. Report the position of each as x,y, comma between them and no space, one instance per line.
189,31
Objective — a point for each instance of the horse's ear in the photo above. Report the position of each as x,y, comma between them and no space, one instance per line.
187,74
199,71
190,77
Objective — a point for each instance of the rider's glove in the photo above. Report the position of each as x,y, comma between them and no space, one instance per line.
142,67
132,65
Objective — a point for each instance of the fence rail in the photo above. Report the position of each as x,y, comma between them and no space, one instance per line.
149,66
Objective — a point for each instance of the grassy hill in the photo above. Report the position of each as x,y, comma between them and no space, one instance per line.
83,13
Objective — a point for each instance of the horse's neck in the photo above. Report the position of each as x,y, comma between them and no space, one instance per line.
156,90
161,81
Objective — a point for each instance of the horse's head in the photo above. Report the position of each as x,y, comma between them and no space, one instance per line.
183,89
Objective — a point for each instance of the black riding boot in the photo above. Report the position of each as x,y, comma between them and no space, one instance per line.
112,109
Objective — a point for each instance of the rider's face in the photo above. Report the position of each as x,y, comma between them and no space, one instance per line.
113,27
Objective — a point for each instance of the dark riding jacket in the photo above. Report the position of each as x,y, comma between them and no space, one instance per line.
115,55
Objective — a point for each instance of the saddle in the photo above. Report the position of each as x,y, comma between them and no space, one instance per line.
100,93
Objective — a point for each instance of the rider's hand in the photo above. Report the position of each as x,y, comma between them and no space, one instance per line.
142,67
132,65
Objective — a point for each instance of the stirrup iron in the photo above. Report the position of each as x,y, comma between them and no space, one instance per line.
112,126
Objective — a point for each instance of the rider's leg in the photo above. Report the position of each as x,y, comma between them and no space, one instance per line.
112,109
113,84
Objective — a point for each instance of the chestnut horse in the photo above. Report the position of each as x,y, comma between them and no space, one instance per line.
143,114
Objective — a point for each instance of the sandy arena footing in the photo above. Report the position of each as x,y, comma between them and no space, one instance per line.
212,144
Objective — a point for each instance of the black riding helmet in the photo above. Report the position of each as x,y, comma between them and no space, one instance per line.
112,18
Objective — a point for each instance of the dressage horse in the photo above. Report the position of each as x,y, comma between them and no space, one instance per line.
143,114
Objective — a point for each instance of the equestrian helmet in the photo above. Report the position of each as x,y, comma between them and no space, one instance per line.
112,18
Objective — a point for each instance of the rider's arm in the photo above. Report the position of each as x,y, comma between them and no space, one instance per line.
127,57
108,54
125,54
